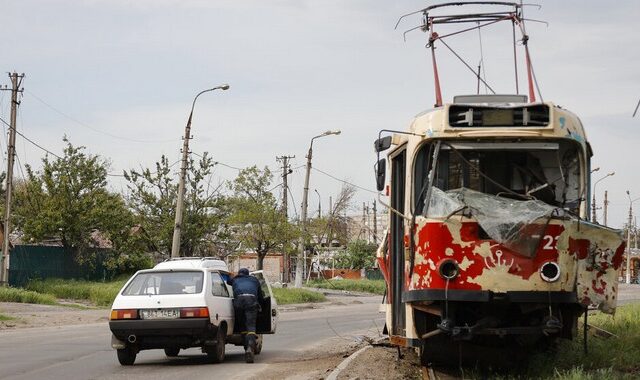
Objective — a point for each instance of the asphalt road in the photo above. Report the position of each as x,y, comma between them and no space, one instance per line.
84,351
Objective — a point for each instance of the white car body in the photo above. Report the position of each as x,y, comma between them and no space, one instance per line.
182,303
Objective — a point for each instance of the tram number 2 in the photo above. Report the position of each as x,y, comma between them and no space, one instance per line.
550,242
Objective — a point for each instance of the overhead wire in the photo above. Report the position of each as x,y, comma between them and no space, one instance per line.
220,163
31,141
343,181
92,128
482,64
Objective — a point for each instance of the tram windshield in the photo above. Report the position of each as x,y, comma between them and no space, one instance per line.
511,189
544,171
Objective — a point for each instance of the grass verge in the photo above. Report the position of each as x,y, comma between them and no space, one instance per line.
100,293
286,296
366,286
103,294
608,358
6,318
25,296
615,357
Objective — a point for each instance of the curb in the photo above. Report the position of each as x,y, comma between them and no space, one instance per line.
342,366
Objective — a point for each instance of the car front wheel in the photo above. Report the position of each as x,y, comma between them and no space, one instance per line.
126,356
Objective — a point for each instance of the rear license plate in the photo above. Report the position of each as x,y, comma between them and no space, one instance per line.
160,313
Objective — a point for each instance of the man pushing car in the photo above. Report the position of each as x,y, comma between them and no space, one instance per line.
248,296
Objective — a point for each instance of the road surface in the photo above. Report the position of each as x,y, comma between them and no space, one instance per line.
84,352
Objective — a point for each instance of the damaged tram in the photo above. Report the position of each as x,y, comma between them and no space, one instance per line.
488,241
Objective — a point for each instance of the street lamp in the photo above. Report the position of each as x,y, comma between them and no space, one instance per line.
319,203
628,276
301,262
593,204
175,246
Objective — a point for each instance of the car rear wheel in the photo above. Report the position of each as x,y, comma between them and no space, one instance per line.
216,352
126,356
172,351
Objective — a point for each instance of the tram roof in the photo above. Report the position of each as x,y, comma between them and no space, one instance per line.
502,119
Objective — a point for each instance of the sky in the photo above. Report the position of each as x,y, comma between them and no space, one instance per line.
119,78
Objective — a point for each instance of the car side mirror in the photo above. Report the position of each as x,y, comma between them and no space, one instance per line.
382,144
381,172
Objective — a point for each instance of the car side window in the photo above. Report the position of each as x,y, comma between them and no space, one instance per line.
218,287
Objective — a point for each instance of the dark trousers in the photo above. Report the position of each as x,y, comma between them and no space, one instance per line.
246,309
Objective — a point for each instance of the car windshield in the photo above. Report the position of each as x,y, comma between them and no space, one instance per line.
174,282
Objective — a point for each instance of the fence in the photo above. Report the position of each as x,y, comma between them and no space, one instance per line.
29,262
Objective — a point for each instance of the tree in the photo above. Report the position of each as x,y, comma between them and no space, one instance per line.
255,217
334,227
359,254
69,200
153,195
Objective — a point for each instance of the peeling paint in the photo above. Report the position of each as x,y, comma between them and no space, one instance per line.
588,256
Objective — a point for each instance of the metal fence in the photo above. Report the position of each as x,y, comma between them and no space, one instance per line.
29,262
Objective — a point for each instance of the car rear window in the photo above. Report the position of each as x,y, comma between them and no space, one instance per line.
174,282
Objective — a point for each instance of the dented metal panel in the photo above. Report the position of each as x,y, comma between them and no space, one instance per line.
588,255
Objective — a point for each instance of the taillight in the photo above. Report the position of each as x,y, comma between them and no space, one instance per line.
124,314
194,312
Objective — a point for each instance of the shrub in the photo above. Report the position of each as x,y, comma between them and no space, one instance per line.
25,296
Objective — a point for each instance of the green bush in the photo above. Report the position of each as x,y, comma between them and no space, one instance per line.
100,293
25,296
286,296
364,285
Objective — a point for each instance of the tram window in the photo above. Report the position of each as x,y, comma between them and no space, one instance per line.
540,173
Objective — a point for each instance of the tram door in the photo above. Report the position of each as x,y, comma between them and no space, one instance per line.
398,175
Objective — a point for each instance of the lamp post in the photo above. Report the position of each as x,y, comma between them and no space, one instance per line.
175,246
319,203
301,261
593,204
628,276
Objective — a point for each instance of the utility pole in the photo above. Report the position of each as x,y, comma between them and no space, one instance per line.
302,251
177,227
628,271
363,230
375,222
606,203
16,81
286,170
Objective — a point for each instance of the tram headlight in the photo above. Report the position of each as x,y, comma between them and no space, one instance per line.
550,271
448,269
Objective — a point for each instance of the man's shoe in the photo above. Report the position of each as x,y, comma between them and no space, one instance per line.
248,356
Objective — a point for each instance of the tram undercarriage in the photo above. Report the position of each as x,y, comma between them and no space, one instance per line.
490,332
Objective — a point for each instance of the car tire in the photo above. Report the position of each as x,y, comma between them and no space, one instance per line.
172,352
216,352
126,356
258,344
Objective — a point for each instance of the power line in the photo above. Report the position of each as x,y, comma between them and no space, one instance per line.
31,141
95,129
295,209
343,181
219,163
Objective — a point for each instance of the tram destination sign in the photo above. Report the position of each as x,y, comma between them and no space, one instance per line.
475,116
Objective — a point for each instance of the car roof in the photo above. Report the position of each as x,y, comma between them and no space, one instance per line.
193,263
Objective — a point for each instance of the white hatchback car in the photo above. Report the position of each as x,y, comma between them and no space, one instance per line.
183,303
